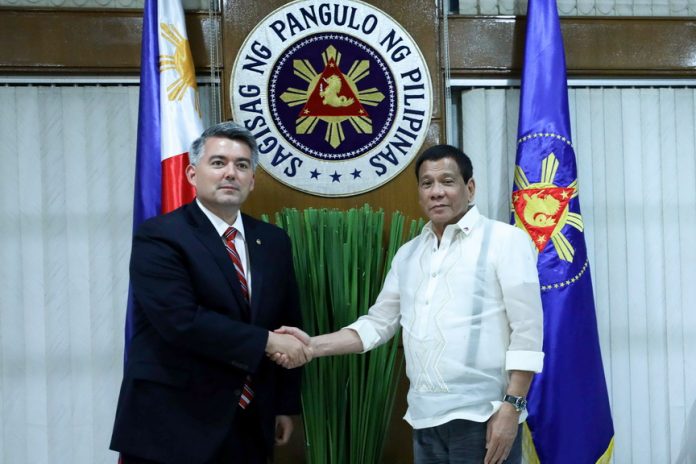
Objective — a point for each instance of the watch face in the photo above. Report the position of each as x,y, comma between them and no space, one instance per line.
519,402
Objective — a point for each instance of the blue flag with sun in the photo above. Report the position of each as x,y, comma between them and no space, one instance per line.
569,415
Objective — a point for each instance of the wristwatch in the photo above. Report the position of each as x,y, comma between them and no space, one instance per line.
519,402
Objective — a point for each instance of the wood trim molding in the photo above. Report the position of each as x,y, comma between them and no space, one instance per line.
86,41
107,42
615,46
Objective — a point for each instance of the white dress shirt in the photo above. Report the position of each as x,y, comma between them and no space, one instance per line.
239,240
470,310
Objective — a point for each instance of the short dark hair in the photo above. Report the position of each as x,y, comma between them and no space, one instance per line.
227,130
437,152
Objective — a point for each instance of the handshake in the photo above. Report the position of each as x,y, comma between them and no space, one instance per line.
289,347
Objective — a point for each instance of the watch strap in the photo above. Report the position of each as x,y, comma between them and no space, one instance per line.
519,402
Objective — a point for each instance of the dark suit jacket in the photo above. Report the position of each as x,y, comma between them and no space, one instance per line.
192,347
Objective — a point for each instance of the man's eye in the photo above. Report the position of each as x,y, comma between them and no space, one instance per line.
243,165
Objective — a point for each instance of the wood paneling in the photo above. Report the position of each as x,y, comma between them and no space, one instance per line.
83,41
40,41
644,47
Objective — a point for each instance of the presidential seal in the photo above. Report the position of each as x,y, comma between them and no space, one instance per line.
545,204
337,94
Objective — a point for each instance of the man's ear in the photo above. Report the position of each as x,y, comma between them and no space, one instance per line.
191,174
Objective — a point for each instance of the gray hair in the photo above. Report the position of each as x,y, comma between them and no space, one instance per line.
227,130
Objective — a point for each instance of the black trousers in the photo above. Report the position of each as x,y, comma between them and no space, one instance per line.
243,444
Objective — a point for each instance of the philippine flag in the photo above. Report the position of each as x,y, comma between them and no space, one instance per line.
169,117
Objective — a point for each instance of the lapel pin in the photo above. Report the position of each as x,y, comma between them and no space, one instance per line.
258,241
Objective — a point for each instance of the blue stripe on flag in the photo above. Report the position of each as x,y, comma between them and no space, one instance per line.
148,171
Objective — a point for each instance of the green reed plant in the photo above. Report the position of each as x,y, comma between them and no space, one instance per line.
341,262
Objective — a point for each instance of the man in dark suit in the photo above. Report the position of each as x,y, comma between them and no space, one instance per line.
197,385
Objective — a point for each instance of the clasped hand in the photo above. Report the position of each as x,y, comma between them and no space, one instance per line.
289,347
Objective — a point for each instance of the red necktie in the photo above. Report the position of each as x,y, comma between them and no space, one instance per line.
229,235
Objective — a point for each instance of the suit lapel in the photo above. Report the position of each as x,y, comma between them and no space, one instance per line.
209,237
257,256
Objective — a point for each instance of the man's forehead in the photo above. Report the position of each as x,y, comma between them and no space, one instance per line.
219,140
440,166
220,147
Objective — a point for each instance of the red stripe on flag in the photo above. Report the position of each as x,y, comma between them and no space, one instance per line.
176,189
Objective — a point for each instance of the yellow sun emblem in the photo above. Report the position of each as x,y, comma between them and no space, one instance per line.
181,62
333,97
542,208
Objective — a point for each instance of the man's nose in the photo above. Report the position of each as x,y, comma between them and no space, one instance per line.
230,171
437,190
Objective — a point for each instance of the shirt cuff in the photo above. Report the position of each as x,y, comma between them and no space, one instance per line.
368,335
523,415
524,361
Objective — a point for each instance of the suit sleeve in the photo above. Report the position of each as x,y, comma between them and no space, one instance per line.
163,290
289,380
